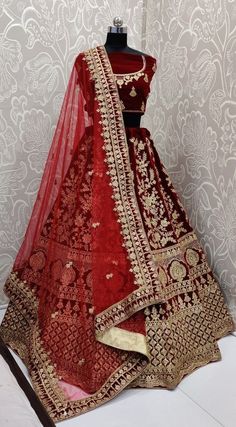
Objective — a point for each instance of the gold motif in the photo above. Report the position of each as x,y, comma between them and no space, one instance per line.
177,270
146,78
20,330
133,92
124,79
162,276
192,257
122,105
109,275
181,337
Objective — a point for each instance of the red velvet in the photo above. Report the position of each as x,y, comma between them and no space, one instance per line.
132,64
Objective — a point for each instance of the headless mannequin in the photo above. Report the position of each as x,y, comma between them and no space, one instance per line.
117,41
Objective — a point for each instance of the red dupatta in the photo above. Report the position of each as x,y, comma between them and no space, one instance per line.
85,268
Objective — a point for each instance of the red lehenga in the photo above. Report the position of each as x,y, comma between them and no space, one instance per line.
110,288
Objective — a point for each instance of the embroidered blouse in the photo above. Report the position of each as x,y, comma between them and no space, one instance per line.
133,73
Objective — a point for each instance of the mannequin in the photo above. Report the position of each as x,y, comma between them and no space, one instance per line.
117,42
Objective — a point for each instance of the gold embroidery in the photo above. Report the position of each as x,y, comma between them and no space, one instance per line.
123,192
20,330
133,92
192,257
150,290
146,78
166,368
162,276
183,325
122,105
124,79
177,270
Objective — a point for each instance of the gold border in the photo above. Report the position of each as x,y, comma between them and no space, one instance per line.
126,205
25,339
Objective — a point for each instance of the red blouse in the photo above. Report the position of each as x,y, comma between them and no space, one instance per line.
133,73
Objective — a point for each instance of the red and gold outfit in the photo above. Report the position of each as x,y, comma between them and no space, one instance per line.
110,288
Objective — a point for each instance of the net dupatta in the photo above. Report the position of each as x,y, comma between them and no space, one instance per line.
72,126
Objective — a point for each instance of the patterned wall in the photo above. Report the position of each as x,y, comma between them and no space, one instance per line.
191,112
39,41
193,119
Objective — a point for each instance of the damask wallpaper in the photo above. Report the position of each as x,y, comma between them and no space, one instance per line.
192,114
39,41
191,111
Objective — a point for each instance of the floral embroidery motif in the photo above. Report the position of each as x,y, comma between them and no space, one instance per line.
192,257
177,270
78,236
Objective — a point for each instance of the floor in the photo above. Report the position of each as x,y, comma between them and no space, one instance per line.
206,398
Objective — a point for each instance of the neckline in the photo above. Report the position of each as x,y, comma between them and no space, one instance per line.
128,53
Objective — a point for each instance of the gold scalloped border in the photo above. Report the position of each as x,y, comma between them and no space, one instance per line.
25,339
126,205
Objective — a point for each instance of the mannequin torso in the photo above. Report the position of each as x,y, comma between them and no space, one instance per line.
117,42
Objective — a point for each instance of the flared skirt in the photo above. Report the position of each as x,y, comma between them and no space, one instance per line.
156,344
